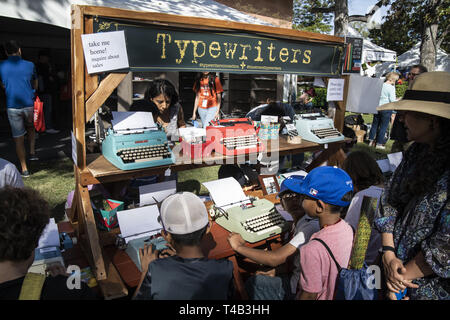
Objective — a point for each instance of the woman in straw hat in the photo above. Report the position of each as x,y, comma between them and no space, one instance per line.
414,214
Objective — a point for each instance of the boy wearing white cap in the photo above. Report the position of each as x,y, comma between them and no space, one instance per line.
187,275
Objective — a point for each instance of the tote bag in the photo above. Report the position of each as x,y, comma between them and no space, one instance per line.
39,122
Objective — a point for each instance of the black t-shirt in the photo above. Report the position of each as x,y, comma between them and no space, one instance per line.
176,278
55,288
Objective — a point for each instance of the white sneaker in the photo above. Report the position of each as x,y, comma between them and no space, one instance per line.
52,131
380,146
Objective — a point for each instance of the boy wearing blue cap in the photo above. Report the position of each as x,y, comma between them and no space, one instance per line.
327,191
284,286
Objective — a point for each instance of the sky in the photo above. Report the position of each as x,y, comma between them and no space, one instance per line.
363,6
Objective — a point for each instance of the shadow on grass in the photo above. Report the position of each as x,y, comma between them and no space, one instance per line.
193,186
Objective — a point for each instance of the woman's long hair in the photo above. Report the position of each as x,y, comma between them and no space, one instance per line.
363,169
430,165
162,86
211,82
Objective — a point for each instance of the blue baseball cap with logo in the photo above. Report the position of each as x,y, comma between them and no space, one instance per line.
328,184
291,183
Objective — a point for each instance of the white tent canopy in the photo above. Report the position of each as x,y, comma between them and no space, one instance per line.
412,57
57,12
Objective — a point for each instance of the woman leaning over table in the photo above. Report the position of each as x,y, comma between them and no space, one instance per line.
414,214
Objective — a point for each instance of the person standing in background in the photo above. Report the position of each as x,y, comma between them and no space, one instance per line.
19,79
208,97
381,119
46,88
398,132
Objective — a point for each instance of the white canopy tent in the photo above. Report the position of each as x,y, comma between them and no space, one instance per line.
412,57
57,12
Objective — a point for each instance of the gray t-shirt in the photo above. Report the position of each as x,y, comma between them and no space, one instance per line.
9,175
176,278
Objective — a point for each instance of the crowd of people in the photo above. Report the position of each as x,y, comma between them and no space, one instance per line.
409,234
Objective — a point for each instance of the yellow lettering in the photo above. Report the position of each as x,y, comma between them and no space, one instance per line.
271,47
284,54
228,51
244,46
182,49
196,55
307,55
258,48
294,59
163,36
214,46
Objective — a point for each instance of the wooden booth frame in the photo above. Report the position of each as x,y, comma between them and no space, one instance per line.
88,95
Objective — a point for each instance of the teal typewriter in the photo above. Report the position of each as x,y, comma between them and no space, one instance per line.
129,151
316,127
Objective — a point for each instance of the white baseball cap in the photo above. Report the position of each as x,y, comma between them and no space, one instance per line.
183,213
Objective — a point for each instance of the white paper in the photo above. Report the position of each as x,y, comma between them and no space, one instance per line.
139,222
395,159
50,235
131,122
225,192
74,148
363,94
335,90
105,51
159,191
384,165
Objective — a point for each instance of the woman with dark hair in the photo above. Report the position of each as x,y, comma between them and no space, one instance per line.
161,99
208,98
414,211
368,182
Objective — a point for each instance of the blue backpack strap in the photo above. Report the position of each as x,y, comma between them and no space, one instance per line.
331,253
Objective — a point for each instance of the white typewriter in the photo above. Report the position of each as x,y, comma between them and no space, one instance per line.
254,219
316,127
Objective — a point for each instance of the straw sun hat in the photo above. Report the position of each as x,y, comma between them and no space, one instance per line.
430,94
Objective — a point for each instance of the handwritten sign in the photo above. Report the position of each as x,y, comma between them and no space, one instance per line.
105,51
335,90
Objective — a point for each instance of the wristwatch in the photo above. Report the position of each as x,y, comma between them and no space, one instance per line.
387,248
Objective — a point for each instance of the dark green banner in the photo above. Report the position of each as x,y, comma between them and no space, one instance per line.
152,48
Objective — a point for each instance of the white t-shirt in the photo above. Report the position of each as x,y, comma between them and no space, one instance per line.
9,175
304,229
352,218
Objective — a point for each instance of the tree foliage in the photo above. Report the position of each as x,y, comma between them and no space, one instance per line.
305,19
407,21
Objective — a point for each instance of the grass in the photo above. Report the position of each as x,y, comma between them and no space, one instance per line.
54,180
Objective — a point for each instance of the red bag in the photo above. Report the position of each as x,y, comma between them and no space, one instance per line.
39,122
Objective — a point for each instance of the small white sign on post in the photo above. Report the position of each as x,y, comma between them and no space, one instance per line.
335,90
105,51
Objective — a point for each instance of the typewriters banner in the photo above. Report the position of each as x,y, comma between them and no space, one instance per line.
154,48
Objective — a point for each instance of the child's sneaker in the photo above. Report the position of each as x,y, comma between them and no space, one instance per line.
25,174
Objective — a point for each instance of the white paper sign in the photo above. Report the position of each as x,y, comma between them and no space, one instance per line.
363,94
105,51
335,90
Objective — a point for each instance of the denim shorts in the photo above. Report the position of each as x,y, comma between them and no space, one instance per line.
20,119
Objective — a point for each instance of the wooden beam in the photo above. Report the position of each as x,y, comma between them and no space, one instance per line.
78,72
91,80
198,23
104,90
91,229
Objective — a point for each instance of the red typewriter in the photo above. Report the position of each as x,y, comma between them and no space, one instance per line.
234,136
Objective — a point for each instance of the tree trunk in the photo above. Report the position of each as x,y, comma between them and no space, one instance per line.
428,47
340,17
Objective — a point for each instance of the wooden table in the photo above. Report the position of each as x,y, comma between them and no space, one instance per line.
215,246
